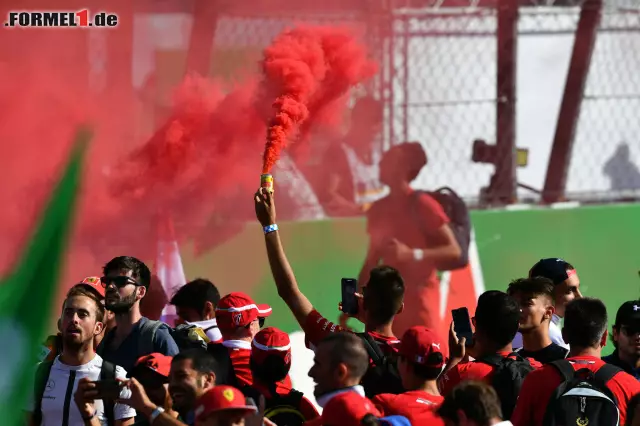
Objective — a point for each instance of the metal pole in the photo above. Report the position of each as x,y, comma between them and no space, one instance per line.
503,186
203,30
583,46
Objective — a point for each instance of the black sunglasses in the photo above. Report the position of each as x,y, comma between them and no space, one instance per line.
119,281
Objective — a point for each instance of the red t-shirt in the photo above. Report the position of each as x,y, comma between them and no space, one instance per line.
307,409
471,371
417,406
410,220
240,354
318,327
539,386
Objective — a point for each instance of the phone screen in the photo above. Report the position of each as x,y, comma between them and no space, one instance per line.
349,300
108,389
462,324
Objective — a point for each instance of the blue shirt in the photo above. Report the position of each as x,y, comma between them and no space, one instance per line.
614,359
129,351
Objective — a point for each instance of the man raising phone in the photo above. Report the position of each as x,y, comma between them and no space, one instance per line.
78,369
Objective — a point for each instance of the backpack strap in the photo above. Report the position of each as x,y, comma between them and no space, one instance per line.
373,349
40,384
147,336
493,360
606,373
108,372
565,368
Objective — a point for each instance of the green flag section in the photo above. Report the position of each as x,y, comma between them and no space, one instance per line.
27,293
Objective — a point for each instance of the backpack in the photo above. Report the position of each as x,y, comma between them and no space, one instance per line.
283,410
508,374
382,376
107,372
186,336
459,220
583,397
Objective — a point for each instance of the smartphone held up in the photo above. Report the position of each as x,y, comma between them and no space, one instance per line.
349,300
462,325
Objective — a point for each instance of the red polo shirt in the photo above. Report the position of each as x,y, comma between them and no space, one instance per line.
240,354
417,406
540,384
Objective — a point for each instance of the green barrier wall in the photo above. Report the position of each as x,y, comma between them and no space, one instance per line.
600,241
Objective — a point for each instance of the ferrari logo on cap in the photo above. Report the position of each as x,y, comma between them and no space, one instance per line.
228,394
237,318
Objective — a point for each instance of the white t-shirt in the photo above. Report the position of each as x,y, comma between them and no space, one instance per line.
210,328
56,397
555,333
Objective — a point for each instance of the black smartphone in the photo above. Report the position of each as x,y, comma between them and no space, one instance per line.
462,325
349,300
108,389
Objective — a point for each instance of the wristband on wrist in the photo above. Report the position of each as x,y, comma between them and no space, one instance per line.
155,413
418,255
270,228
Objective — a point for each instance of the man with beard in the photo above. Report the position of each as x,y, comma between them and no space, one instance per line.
626,339
127,281
77,369
193,372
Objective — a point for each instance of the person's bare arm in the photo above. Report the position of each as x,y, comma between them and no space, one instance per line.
444,255
143,405
125,422
281,270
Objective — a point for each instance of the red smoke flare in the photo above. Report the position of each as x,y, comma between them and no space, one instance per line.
308,69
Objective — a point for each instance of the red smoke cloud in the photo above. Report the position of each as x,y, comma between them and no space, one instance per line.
199,168
309,69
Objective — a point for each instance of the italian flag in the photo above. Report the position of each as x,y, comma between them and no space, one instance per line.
27,293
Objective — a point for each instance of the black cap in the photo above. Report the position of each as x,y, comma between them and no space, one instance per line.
552,268
628,313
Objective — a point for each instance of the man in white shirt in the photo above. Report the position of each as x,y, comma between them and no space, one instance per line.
566,288
196,303
74,372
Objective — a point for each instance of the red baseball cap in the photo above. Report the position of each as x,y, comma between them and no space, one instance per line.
157,362
93,284
347,409
222,398
271,341
418,344
238,310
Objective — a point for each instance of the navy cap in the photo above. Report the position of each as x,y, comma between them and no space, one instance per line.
554,269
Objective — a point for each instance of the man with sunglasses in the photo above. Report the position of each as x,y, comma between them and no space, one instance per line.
240,319
626,339
127,281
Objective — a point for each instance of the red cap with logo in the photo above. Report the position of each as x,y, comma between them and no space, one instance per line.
419,345
238,310
157,362
222,398
271,341
347,409
94,284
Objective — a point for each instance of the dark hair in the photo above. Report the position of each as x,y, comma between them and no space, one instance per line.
201,361
532,287
271,370
425,372
497,317
631,408
195,294
139,271
384,294
84,292
370,420
585,322
411,157
478,401
348,349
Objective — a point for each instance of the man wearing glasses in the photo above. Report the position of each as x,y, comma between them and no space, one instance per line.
626,339
127,280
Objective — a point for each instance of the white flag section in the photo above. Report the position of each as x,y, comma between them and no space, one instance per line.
168,266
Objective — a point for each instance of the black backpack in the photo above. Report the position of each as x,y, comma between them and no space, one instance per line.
382,376
186,336
107,372
283,410
460,221
508,374
583,397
